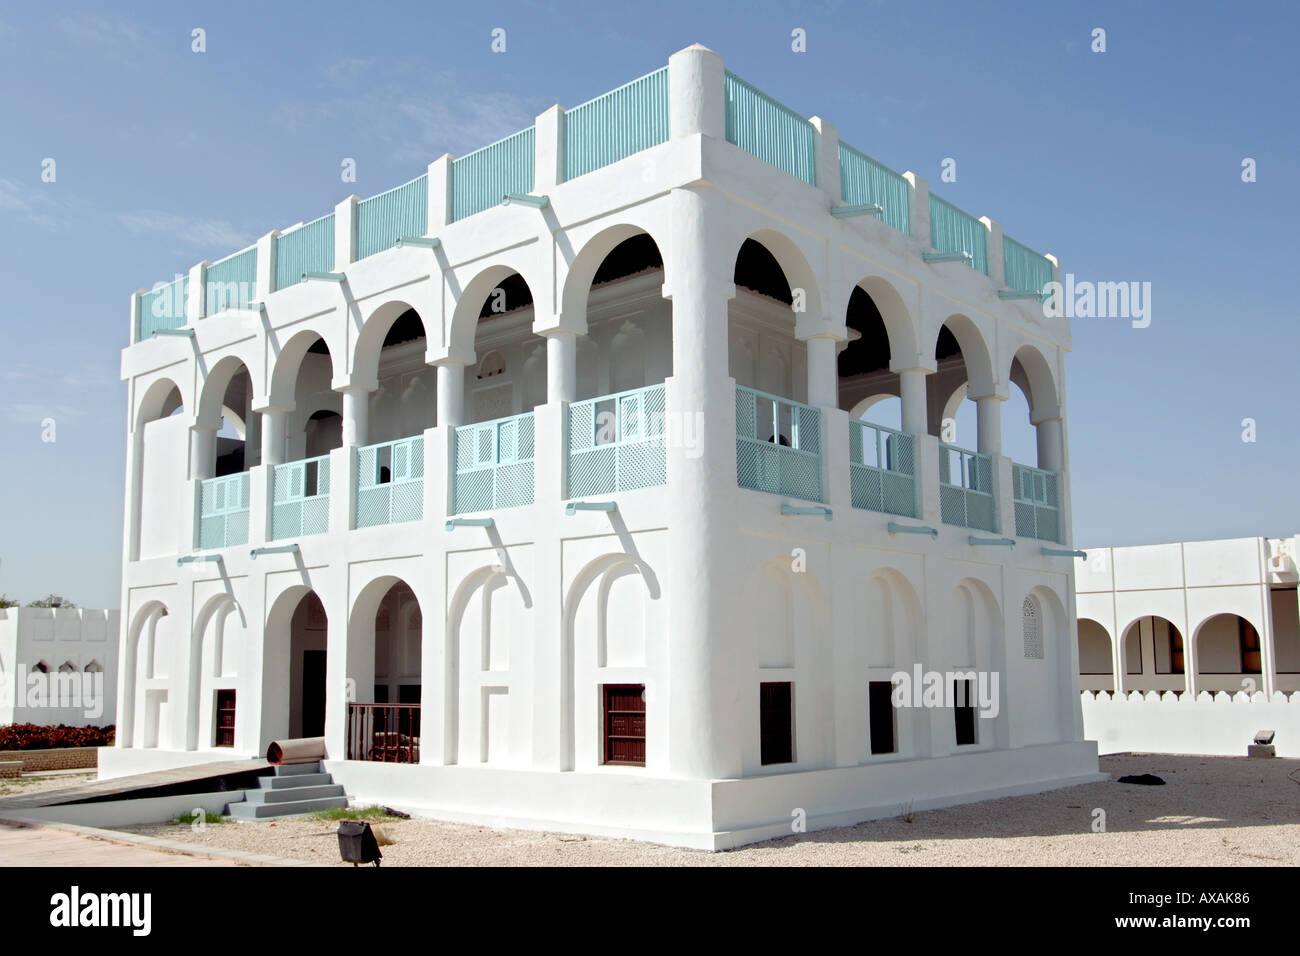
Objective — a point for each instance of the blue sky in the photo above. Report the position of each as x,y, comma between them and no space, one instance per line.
1124,164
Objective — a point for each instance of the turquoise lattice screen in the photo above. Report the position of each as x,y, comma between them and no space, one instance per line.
223,511
482,178
954,230
778,445
1037,503
1026,270
400,213
966,488
309,248
882,469
494,465
769,130
300,498
616,125
390,482
230,283
616,443
864,182
162,308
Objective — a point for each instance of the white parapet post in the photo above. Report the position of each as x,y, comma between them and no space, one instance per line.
827,145
345,233
266,249
918,208
996,260
548,150
696,104
440,194
196,302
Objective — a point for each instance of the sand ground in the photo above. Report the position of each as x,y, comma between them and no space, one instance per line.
1213,811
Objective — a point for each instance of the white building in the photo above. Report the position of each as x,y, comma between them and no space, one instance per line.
1191,647
58,666
560,511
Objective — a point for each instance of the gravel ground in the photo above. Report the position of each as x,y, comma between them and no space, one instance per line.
1213,811
13,786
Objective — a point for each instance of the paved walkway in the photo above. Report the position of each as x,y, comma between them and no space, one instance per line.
32,846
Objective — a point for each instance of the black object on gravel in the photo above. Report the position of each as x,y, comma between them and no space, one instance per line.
1145,779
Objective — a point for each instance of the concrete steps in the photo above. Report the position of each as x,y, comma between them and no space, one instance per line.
295,788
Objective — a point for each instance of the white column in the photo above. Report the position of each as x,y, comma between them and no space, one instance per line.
356,415
203,451
823,377
274,425
989,424
911,387
1051,448
561,366
451,393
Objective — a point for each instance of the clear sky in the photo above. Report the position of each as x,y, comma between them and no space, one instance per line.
1125,164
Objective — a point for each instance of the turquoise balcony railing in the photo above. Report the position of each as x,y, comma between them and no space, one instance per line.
778,445
1038,506
300,498
966,488
309,248
162,308
764,128
231,283
954,230
1026,270
882,469
399,213
616,443
482,178
616,125
865,182
494,465
390,482
223,511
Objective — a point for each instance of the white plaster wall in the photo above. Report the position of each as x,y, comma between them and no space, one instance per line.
1220,724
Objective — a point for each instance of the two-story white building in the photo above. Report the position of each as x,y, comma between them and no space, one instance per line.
546,488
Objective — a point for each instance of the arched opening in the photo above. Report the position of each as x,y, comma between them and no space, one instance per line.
1096,661
293,667
764,353
976,652
303,426
1153,656
405,403
509,375
220,443
385,648
212,687
1228,655
159,450
143,706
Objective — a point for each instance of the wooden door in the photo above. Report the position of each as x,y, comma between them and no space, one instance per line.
225,733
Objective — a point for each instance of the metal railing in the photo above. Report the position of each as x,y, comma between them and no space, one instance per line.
966,488
309,248
769,130
616,442
387,733
1037,503
778,445
494,465
300,498
616,125
482,178
882,469
1024,269
865,182
955,230
223,511
390,482
398,213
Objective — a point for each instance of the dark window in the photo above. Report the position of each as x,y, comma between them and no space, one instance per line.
880,714
381,693
625,724
408,693
1248,638
313,693
963,696
225,734
776,723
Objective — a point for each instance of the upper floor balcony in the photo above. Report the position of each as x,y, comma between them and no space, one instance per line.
531,325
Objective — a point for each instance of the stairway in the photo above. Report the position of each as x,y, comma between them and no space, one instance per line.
295,788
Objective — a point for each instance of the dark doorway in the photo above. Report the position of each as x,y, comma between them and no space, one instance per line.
776,723
964,711
625,724
225,732
880,714
313,693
